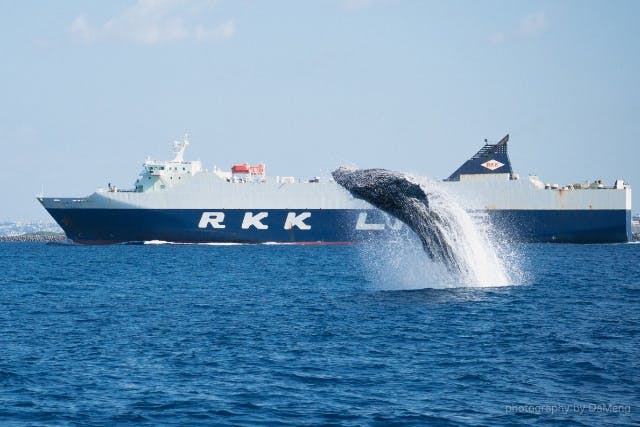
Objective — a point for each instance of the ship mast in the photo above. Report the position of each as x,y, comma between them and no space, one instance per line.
179,147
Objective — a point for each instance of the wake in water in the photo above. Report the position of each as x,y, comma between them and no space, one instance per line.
460,250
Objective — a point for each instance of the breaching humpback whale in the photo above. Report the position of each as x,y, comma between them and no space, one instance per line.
396,194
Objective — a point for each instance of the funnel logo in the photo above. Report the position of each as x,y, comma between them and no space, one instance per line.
492,164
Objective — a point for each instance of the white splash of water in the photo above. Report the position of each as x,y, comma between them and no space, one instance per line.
400,261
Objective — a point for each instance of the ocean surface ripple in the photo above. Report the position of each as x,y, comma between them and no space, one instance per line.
294,335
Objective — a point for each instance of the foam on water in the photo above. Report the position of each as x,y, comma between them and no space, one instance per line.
483,258
164,242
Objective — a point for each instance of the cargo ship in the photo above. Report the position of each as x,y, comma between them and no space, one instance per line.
180,201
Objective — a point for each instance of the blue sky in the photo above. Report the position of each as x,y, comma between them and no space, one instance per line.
89,89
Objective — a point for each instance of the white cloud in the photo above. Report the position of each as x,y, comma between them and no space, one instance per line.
80,27
530,25
222,31
498,38
154,21
533,23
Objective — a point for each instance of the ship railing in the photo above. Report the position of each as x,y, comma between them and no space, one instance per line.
115,189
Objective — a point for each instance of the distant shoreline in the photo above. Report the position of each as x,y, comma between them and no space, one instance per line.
34,237
59,237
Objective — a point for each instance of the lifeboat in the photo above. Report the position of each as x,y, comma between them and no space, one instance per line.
242,168
247,169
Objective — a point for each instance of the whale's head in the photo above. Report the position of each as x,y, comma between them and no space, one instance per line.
385,189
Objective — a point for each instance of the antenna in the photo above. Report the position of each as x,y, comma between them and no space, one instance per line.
179,147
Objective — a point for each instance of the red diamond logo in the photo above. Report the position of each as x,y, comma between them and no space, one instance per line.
492,164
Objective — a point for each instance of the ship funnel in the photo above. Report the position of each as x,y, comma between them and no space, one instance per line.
491,158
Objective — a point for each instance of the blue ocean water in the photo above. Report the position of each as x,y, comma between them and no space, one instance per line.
295,335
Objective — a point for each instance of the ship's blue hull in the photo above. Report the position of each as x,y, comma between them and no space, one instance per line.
320,226
565,226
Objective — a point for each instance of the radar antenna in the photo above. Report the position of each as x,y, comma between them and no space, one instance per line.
179,147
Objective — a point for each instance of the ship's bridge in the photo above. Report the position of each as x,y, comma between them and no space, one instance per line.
158,175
